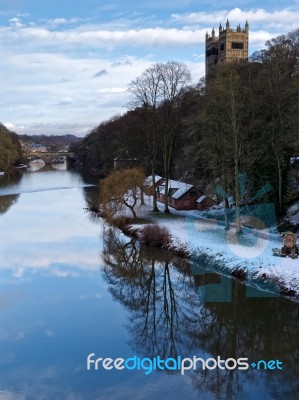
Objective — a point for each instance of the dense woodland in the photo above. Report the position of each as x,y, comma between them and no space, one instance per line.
10,148
236,129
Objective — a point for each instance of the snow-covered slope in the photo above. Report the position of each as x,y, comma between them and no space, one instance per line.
249,253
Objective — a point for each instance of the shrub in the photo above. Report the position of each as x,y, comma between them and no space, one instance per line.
155,235
121,189
119,221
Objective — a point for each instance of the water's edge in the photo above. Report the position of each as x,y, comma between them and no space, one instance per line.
237,273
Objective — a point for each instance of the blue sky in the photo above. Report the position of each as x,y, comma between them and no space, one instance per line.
66,64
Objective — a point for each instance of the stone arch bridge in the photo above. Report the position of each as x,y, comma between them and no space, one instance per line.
49,157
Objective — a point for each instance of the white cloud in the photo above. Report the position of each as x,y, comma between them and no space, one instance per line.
193,33
53,93
58,21
9,125
55,22
105,38
199,17
47,68
23,15
260,37
16,22
286,18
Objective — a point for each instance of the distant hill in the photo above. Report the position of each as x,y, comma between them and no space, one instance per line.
49,141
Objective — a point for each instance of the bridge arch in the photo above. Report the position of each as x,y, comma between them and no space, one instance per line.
48,157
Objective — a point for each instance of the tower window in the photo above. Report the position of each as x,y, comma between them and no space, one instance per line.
211,52
222,46
238,45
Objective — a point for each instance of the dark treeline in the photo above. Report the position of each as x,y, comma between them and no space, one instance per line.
10,148
236,129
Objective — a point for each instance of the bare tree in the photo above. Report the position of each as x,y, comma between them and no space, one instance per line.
146,89
175,77
158,91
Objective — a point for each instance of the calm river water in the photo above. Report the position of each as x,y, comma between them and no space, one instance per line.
71,286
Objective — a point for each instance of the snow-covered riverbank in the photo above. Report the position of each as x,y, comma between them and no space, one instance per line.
247,256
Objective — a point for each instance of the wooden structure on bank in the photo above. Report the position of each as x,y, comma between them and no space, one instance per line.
181,195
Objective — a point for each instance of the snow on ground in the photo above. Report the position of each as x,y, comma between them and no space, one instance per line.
251,251
293,214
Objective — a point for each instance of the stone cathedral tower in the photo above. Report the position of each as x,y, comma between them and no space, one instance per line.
230,45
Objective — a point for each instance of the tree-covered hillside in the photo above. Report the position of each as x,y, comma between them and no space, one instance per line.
237,129
10,148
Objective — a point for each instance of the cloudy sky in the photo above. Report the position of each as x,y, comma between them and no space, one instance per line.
66,64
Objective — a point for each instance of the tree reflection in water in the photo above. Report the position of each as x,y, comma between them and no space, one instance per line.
143,280
168,319
6,201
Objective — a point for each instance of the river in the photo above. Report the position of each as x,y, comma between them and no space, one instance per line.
72,286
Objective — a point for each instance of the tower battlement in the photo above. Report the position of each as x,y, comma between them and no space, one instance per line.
231,45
